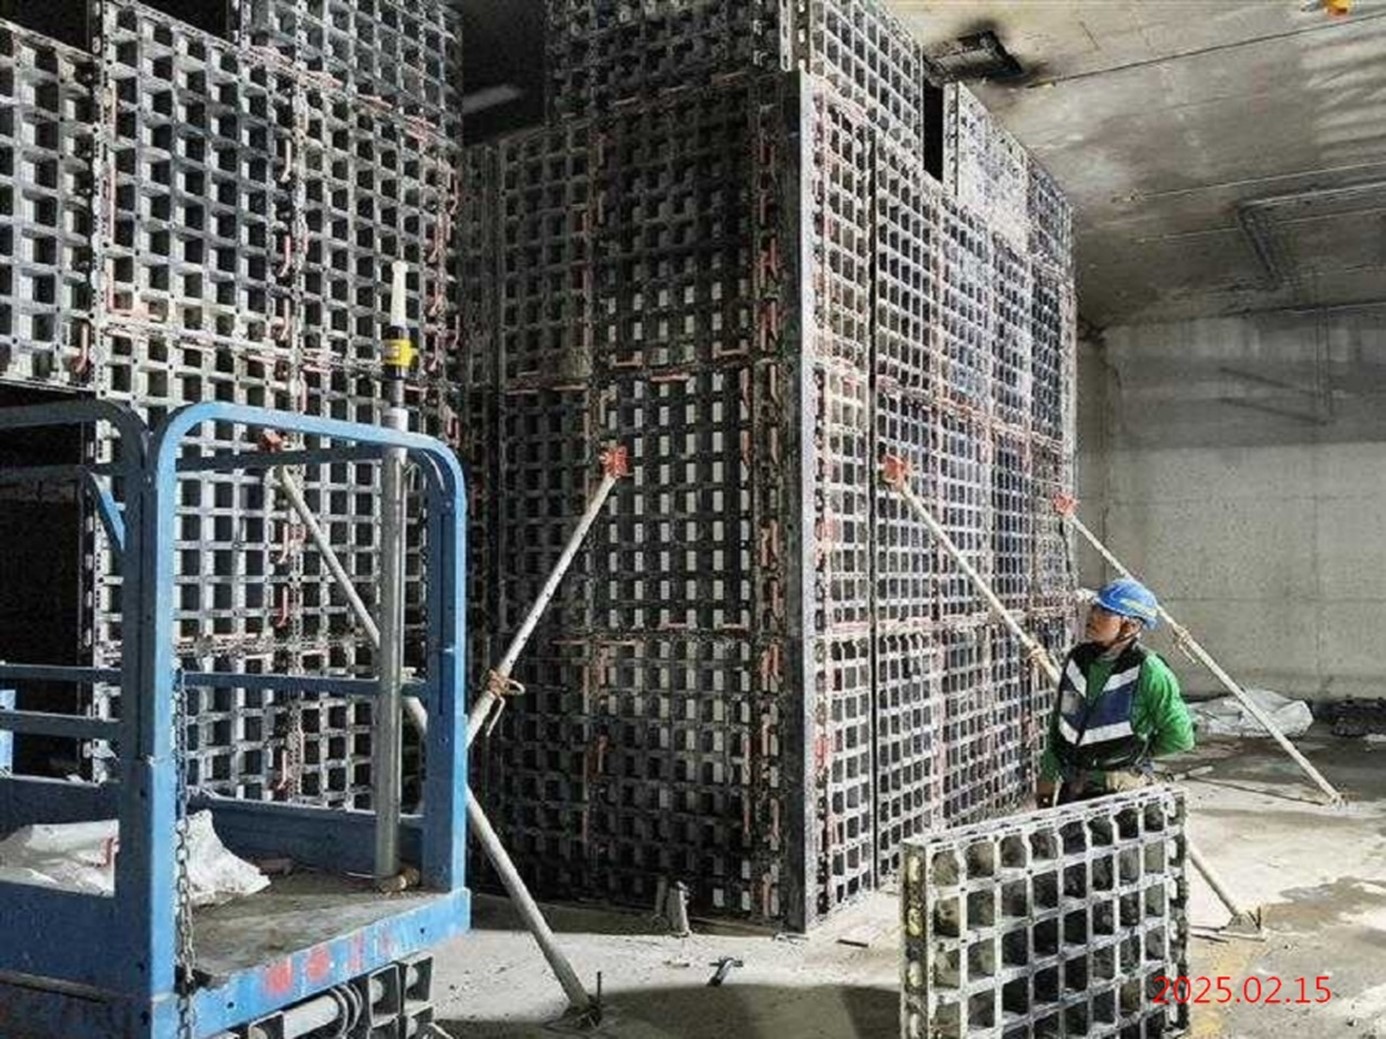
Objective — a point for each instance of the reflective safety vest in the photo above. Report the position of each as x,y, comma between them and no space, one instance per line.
1095,732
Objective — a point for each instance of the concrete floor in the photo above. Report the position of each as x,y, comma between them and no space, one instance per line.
1320,873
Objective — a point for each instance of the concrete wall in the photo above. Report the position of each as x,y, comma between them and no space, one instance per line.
1239,466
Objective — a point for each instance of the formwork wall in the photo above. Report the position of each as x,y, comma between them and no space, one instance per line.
723,252
191,217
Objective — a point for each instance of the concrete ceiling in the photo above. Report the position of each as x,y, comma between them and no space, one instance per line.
1221,157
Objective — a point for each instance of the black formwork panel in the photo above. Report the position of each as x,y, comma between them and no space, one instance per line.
544,221
1055,922
600,54
844,479
46,147
547,469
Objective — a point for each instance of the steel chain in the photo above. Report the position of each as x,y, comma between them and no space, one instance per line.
185,958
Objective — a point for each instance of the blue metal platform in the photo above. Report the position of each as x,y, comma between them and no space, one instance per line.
77,966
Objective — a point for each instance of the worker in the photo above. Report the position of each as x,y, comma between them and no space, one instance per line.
1118,704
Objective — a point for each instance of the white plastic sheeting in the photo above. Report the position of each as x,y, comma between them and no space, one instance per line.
1227,716
81,857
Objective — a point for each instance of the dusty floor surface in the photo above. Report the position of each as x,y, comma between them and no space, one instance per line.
1319,872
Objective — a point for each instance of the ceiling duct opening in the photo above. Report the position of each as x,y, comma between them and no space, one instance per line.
976,56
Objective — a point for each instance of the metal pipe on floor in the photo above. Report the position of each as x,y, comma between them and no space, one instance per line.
1067,508
529,909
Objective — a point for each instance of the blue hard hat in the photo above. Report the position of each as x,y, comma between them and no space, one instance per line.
1130,598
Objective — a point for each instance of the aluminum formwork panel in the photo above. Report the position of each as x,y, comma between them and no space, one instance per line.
1012,338
987,169
46,146
842,701
603,54
1013,502
870,58
964,510
400,54
678,550
376,189
1054,576
1053,922
967,310
1020,712
1050,362
191,166
968,739
906,280
600,54
1051,219
907,678
906,568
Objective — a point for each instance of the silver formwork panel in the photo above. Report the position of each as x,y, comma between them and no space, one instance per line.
193,219
46,141
1052,923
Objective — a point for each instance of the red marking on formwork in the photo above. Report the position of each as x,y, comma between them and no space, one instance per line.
319,963
278,978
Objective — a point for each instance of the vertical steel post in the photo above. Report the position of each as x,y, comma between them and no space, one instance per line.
387,718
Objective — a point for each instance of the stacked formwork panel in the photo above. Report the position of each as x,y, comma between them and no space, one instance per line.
46,142
226,215
761,675
1056,922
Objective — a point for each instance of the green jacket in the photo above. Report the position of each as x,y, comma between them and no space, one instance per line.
1158,712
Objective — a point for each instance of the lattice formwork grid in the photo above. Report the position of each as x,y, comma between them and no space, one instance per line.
46,143
757,291
1050,923
189,219
603,55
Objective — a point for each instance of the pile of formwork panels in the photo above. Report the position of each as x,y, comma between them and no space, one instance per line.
1051,923
194,217
722,251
